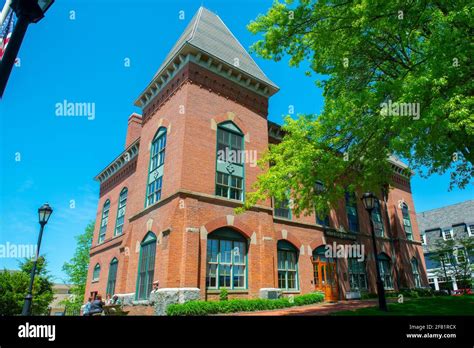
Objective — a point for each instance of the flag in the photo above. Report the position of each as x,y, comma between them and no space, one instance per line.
6,32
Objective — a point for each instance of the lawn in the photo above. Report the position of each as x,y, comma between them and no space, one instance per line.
441,305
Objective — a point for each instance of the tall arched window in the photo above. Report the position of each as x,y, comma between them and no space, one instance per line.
385,270
121,212
407,221
112,277
96,273
351,210
104,220
416,272
357,274
226,260
155,172
377,219
230,161
287,266
146,266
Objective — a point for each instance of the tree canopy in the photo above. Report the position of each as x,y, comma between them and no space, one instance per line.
14,286
76,269
396,79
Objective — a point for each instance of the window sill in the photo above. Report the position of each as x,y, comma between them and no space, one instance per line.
95,281
218,291
290,292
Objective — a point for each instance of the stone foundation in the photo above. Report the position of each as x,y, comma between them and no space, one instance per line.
162,298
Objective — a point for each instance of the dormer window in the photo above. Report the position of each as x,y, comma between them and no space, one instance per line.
448,234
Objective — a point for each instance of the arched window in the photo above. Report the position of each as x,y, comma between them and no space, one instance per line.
407,222
351,210
112,277
287,266
226,260
146,266
377,219
121,212
357,274
416,272
104,221
385,270
96,273
155,172
230,161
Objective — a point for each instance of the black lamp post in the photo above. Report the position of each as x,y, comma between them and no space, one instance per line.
27,11
44,212
369,200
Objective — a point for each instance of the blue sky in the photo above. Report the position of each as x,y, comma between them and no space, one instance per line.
82,60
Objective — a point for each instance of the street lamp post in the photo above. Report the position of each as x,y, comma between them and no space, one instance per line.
369,200
27,11
44,212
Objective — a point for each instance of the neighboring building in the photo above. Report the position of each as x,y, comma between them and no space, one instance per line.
451,222
166,207
61,292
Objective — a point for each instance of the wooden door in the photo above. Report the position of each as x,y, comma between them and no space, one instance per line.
325,279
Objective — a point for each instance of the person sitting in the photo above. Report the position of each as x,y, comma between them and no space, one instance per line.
86,307
96,306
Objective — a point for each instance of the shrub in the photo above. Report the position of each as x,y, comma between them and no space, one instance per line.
199,308
224,294
425,292
368,295
440,293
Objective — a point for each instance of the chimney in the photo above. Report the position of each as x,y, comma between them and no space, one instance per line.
134,128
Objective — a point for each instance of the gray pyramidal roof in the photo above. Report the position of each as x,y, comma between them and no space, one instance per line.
207,32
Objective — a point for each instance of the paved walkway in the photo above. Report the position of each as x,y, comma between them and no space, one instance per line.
316,309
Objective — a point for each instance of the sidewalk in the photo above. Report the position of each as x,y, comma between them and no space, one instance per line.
315,309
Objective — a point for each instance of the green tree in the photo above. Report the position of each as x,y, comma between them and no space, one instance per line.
454,257
375,59
14,286
76,269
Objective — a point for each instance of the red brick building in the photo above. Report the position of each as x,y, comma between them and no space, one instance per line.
166,208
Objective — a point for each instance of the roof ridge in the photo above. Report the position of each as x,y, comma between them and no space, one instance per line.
446,206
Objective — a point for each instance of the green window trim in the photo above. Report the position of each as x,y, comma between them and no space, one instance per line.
282,209
146,267
385,271
407,227
112,278
377,220
287,266
122,204
104,221
230,159
96,273
226,260
357,274
156,167
416,272
351,212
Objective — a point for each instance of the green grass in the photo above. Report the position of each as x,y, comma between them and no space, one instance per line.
442,305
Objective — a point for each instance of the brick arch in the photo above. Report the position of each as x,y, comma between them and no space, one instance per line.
316,243
289,238
163,122
236,119
221,222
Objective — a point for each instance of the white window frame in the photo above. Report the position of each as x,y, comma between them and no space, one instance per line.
470,230
424,240
450,233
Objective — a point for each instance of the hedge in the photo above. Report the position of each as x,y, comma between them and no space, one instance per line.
415,293
200,308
